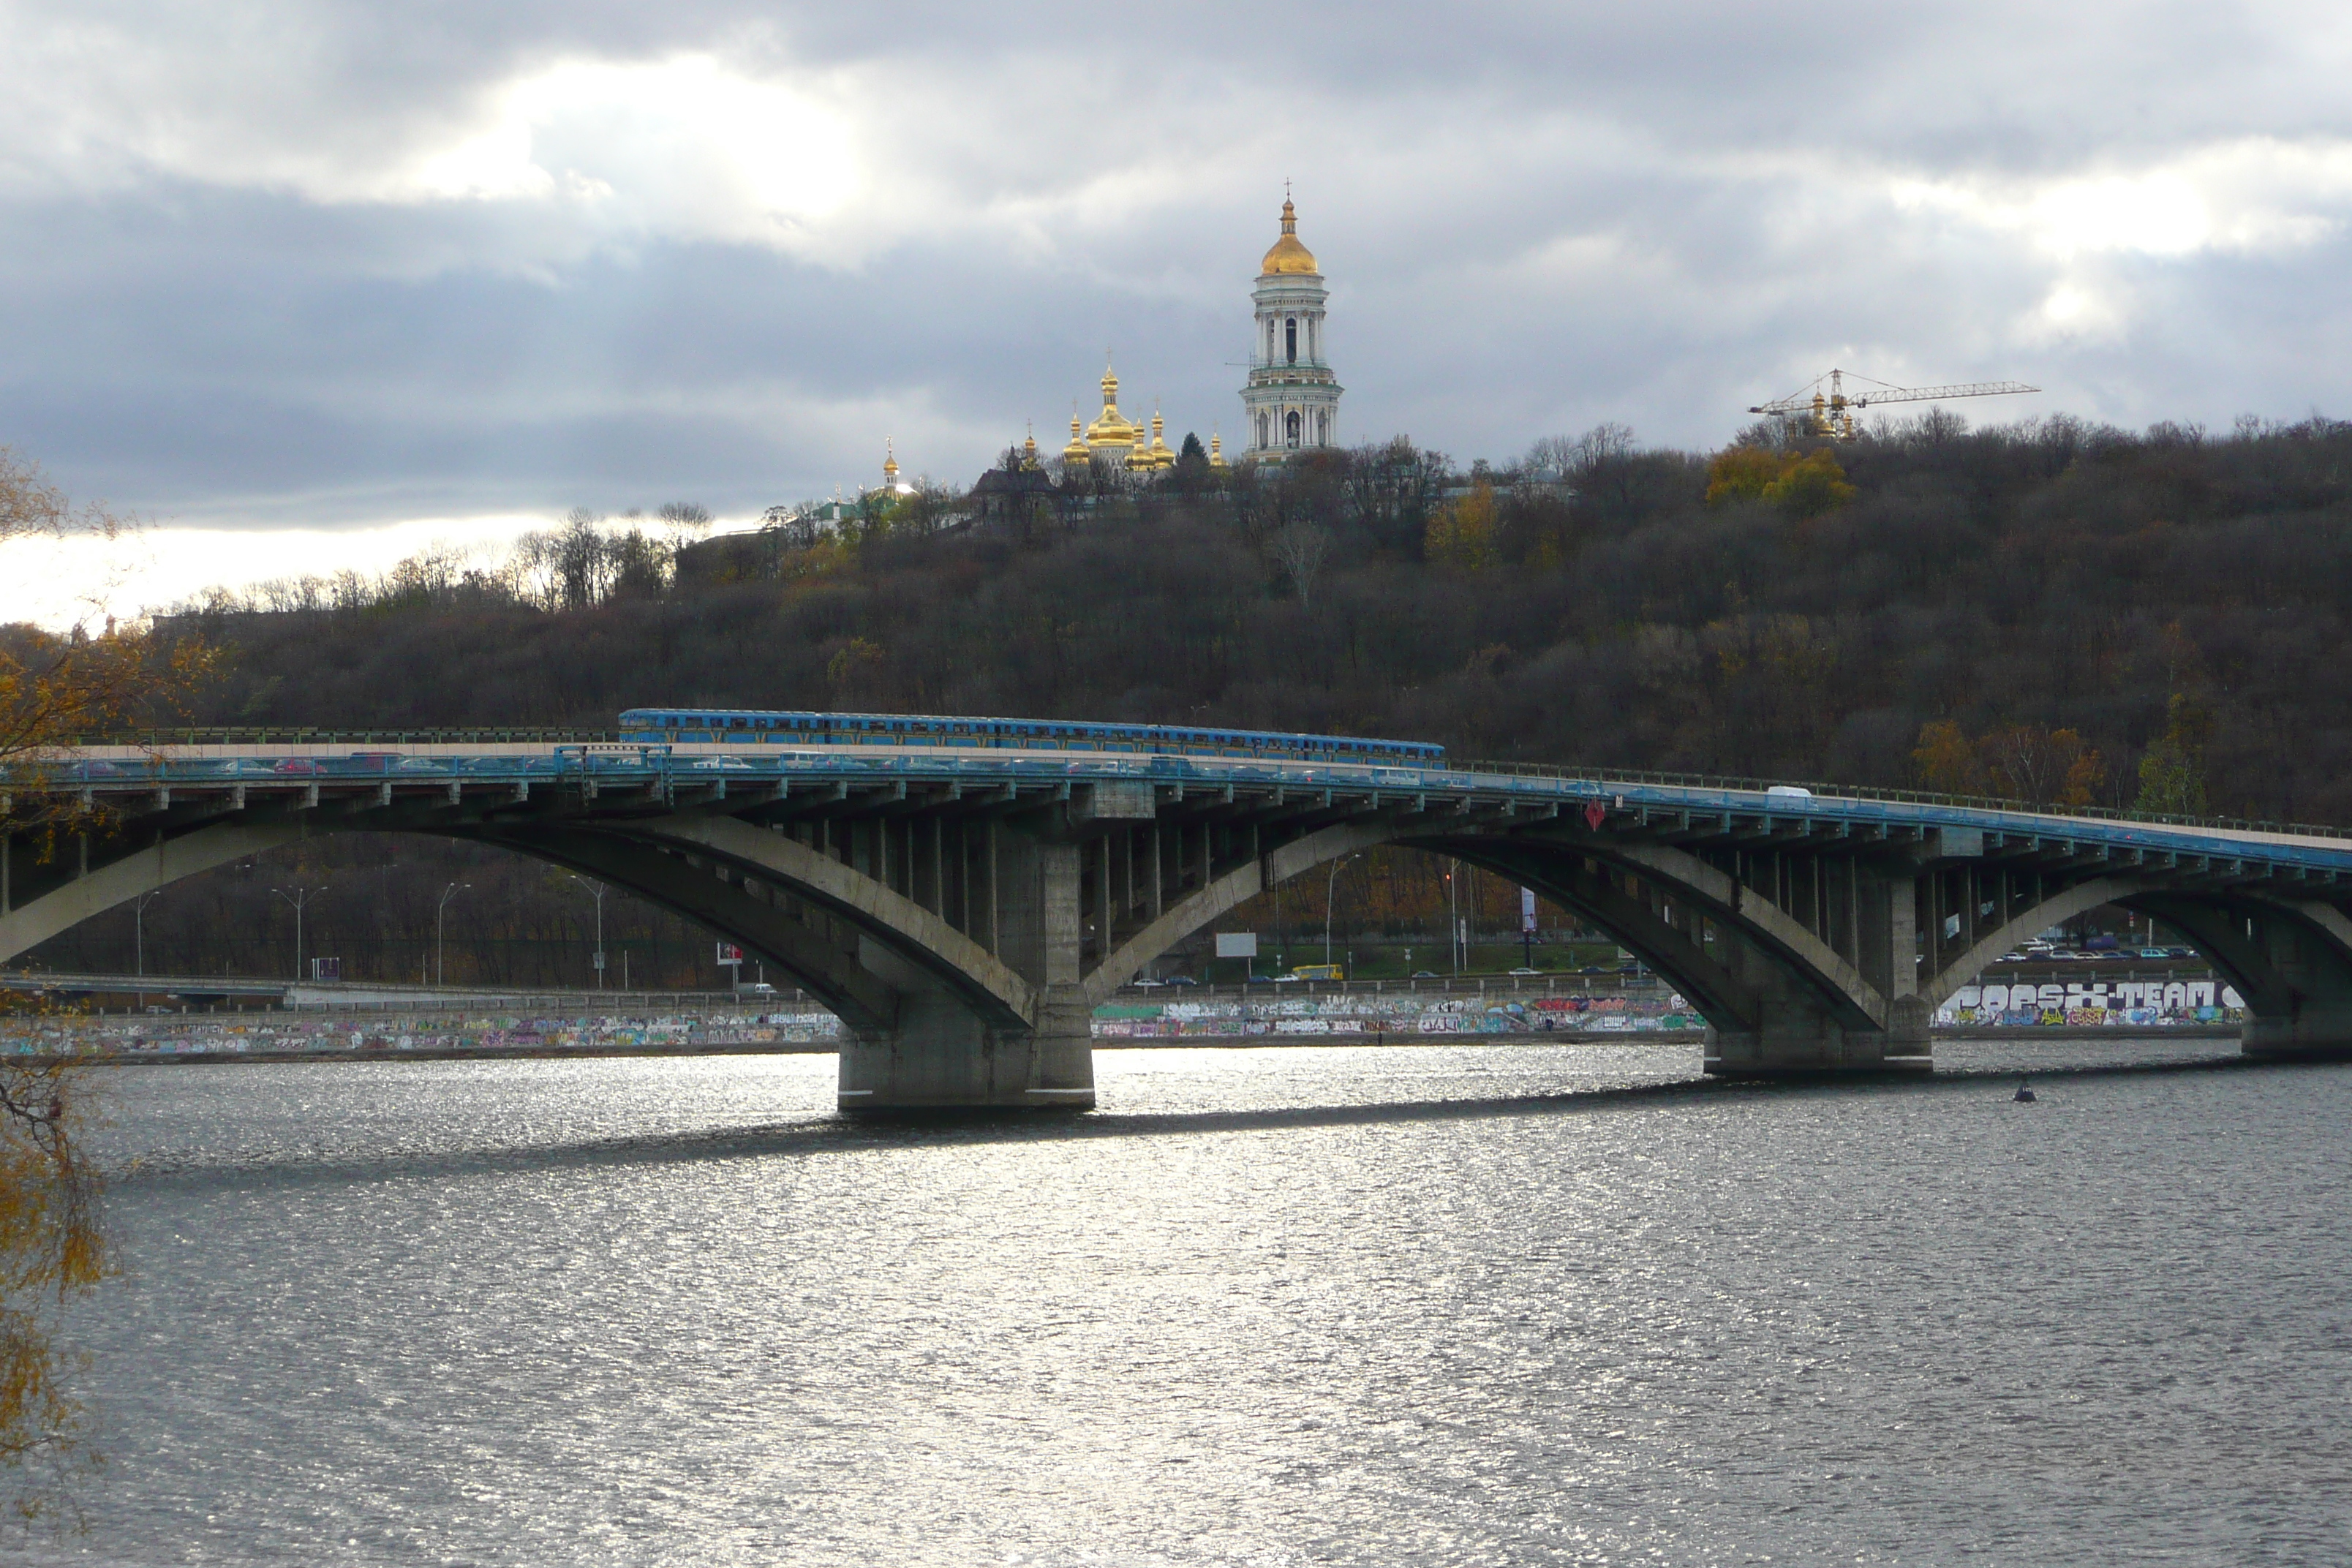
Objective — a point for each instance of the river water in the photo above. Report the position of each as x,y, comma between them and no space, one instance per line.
1347,1305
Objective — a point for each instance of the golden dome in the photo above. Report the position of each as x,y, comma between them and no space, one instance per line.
889,463
1112,428
1076,452
1287,255
1216,450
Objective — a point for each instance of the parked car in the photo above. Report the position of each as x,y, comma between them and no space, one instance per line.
1424,974
1523,970
2179,952
1147,985
2153,953
1179,980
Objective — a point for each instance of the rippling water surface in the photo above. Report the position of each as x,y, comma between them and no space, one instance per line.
1477,1305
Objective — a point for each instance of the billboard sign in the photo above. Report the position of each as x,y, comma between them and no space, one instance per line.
1237,944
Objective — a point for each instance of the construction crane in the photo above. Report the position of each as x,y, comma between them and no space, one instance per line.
1831,414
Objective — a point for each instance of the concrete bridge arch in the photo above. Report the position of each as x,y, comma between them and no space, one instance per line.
965,922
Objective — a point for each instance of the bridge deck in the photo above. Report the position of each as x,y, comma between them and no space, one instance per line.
421,768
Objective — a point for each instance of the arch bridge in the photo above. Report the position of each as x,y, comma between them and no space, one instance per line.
964,911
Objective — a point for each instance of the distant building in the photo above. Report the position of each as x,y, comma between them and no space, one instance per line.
1015,493
1291,402
806,522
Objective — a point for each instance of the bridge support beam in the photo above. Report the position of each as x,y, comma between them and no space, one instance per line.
938,1055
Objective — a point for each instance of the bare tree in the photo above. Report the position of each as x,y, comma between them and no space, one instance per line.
1301,548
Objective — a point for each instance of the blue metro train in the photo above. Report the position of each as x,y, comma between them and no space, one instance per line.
762,727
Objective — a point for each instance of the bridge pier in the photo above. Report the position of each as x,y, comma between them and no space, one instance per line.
2311,1037
2291,962
1870,1020
1800,1040
940,1058
939,1055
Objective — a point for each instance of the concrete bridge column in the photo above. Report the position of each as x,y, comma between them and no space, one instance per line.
2294,967
938,1055
1797,1030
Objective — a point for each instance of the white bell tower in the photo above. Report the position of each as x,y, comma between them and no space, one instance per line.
1292,401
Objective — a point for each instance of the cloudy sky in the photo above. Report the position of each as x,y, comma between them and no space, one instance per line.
309,284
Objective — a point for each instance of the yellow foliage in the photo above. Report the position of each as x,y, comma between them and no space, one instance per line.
1460,533
54,691
1742,473
2023,763
1944,761
2085,776
1806,486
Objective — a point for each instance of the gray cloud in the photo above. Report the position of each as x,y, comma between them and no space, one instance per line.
343,264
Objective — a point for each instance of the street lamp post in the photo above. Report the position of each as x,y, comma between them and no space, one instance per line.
297,899
1330,884
1454,916
138,937
597,889
440,913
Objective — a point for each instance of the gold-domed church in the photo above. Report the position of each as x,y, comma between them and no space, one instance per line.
1291,402
1117,439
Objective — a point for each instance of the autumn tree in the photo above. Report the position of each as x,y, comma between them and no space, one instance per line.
1461,531
1802,485
2172,769
56,688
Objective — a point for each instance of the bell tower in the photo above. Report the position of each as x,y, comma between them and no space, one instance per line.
1291,402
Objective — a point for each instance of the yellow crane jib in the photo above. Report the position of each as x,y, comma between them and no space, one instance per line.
1831,412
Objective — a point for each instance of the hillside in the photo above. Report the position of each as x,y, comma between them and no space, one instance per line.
1929,616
